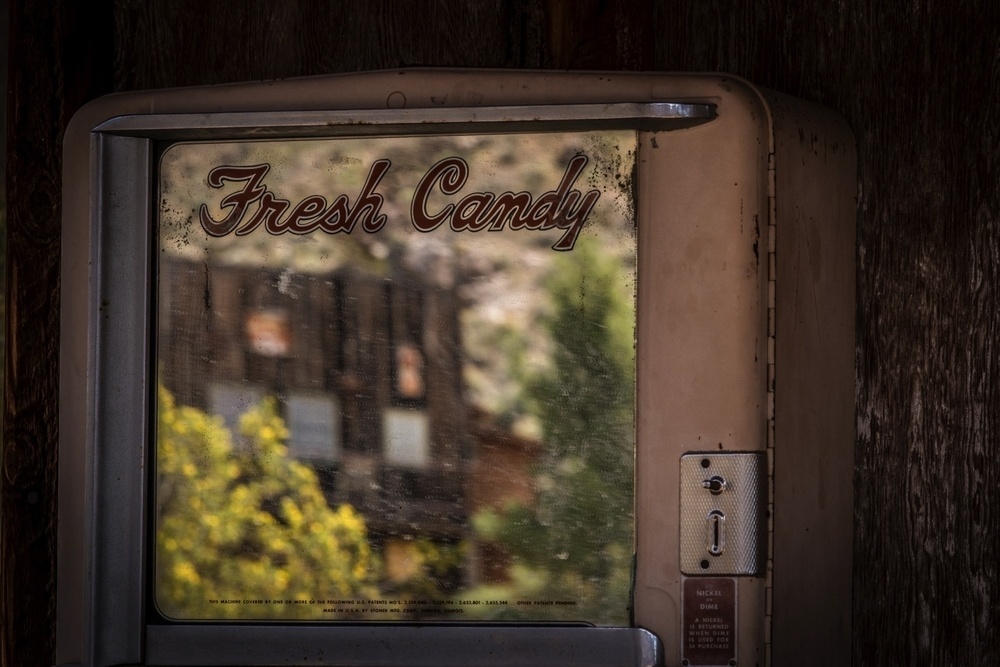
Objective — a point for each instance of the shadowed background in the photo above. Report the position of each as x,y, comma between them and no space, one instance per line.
918,80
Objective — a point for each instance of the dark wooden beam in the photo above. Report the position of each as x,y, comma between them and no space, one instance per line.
59,57
600,34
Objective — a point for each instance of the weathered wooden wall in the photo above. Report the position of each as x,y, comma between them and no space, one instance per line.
57,61
919,80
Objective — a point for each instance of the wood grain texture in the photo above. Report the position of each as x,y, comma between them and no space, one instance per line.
918,80
599,34
54,67
231,41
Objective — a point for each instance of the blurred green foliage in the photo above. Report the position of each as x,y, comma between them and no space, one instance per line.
432,570
576,542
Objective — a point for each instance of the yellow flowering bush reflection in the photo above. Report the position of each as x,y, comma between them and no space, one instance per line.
245,532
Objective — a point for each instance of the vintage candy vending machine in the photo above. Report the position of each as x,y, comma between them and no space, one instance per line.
457,368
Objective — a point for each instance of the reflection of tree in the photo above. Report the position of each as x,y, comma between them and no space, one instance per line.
247,525
576,541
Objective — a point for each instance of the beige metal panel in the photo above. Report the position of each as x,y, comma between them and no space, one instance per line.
703,313
815,187
702,331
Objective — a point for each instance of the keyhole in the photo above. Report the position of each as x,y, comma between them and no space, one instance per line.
715,484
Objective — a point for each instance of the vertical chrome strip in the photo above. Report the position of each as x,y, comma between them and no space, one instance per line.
118,450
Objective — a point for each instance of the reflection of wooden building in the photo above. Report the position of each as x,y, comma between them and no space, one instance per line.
367,373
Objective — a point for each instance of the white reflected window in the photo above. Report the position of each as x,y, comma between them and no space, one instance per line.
313,425
406,438
230,401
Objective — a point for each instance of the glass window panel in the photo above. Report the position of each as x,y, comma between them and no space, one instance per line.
313,426
450,318
231,402
406,438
